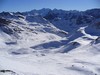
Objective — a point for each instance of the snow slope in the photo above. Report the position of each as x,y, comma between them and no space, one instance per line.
50,42
82,61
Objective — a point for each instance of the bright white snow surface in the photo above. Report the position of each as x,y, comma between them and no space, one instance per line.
31,45
82,61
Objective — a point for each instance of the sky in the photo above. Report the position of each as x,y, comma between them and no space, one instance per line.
27,5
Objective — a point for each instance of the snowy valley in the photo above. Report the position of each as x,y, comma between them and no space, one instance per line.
50,42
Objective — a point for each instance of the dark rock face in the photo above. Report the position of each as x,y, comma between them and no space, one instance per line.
97,25
51,15
94,13
6,29
5,14
9,71
4,21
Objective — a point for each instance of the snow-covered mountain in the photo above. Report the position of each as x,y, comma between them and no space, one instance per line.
50,42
